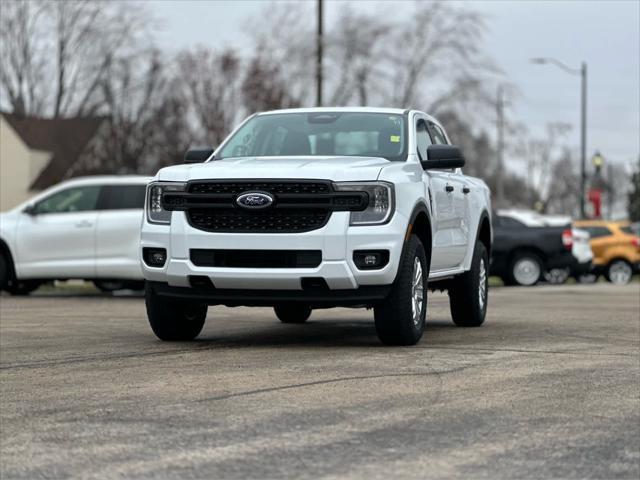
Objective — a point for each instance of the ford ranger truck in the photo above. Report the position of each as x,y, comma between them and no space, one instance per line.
314,208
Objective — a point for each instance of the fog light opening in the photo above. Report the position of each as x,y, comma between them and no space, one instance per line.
154,257
370,259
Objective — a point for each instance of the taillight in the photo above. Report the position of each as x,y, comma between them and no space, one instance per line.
567,239
636,242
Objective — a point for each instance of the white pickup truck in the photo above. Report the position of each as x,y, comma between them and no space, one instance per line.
315,208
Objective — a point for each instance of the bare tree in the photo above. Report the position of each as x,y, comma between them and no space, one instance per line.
69,45
211,82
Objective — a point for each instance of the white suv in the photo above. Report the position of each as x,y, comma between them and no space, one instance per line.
85,228
315,208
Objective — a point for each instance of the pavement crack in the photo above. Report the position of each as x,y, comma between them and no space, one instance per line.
436,373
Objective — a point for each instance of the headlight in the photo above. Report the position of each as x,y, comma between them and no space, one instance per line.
155,212
381,201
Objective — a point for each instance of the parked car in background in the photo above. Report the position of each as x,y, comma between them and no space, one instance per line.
86,228
528,247
616,250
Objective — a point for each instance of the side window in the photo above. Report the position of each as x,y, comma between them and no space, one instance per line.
597,232
75,199
422,138
121,197
437,134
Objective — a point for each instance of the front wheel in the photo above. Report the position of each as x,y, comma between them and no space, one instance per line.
23,287
619,272
469,292
557,276
173,319
400,318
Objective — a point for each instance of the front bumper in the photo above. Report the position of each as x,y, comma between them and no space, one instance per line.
336,240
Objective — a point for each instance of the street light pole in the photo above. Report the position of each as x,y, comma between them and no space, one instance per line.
583,121
583,139
500,147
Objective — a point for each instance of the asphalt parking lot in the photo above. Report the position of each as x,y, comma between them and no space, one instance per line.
549,387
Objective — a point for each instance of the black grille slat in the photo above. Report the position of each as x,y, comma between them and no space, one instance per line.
235,188
272,221
256,258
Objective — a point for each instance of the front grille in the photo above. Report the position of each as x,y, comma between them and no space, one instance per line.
256,258
298,205
271,221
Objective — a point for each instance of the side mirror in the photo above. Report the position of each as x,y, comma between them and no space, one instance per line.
30,210
198,155
443,156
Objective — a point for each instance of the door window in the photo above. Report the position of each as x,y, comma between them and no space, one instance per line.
437,134
75,199
121,197
422,139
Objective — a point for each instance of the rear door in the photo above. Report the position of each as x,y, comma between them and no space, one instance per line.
456,191
58,240
118,232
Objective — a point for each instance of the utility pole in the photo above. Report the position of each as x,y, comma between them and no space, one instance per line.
319,42
583,139
500,147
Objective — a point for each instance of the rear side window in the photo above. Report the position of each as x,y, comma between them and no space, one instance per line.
597,232
628,229
122,197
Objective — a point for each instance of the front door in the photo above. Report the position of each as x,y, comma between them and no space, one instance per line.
57,238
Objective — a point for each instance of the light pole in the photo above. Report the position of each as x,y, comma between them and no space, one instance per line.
582,71
319,41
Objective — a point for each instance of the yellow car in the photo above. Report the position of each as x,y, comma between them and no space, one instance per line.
616,249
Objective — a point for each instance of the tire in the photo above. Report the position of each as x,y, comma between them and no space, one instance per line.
400,318
22,287
292,313
469,292
4,272
172,319
109,286
587,278
557,276
525,269
619,272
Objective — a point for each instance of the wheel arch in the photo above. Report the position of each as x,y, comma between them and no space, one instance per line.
485,233
420,225
5,251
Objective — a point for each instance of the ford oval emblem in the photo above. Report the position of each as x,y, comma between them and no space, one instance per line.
254,200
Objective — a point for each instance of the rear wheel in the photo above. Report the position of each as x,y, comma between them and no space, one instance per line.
469,292
526,269
292,313
619,272
109,286
400,318
173,319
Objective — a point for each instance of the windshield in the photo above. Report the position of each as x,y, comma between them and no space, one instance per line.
320,134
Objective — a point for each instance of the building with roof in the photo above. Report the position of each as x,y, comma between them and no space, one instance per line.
36,153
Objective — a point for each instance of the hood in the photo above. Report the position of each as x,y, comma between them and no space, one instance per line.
313,167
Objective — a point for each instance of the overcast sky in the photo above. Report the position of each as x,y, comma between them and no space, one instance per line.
605,34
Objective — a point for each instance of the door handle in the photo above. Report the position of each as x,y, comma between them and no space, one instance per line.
449,188
465,190
84,224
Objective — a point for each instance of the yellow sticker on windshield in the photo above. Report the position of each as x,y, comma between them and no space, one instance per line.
394,139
